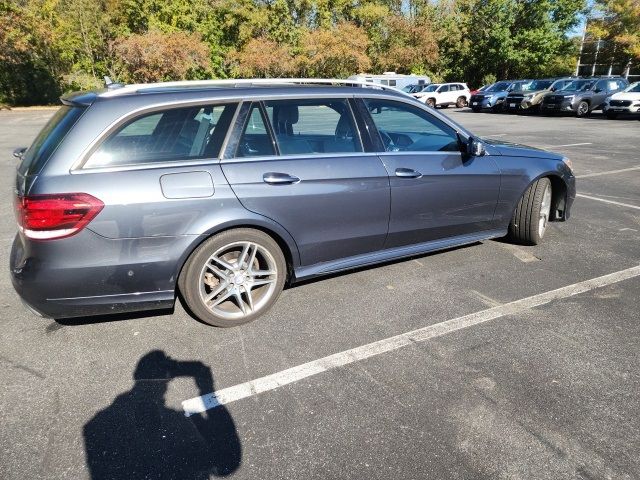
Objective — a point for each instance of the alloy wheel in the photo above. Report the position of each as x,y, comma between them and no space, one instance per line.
545,211
238,280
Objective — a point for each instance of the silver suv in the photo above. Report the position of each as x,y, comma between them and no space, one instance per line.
226,191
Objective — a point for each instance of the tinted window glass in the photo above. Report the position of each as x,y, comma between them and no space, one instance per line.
406,128
48,139
256,140
313,126
170,135
444,88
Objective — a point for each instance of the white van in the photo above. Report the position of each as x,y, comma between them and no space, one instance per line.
392,79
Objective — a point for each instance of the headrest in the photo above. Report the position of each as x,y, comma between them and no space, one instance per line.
288,114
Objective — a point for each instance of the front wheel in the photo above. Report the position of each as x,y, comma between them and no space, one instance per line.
531,217
431,102
233,277
499,108
583,109
461,102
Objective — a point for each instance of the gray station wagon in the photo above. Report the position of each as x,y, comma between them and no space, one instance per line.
226,191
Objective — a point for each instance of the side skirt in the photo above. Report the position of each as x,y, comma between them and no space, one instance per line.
381,256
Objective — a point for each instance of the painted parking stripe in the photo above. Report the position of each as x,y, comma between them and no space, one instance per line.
571,145
620,204
306,370
608,172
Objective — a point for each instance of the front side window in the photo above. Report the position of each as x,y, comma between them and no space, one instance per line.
404,127
443,89
164,136
313,126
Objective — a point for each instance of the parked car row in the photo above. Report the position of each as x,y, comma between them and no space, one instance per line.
578,96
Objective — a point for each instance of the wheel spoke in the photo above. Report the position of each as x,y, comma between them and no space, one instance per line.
222,275
221,262
240,301
262,281
243,255
247,291
261,273
221,299
216,292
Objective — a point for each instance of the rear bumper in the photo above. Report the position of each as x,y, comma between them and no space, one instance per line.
90,275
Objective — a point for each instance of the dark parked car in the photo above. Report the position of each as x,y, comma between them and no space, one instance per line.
493,97
225,191
583,96
530,97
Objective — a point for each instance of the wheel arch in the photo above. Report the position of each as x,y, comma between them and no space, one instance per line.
558,195
281,236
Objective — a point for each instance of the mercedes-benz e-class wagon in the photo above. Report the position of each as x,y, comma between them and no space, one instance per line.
226,191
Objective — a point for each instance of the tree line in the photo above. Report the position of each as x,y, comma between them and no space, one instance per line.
48,47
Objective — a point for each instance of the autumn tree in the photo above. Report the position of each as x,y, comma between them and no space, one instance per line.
156,56
336,52
262,57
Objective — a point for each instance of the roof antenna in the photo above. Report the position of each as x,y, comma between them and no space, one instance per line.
110,84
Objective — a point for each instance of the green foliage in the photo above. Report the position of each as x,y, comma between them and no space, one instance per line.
51,46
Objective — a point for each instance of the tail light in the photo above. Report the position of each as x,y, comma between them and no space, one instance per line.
45,217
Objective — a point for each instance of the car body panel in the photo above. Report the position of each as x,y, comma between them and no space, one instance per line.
340,215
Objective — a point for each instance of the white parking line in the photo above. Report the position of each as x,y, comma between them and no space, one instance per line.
495,135
571,145
608,172
306,370
628,205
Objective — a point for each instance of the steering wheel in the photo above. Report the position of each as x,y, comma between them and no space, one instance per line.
387,141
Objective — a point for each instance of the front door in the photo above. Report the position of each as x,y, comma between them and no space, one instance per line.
435,191
301,163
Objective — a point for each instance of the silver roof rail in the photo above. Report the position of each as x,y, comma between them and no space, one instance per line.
241,82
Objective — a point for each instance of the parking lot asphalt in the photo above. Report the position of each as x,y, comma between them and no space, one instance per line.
514,385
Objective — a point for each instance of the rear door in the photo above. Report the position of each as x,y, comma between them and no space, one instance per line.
435,192
301,163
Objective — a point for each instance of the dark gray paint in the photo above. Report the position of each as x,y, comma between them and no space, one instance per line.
345,212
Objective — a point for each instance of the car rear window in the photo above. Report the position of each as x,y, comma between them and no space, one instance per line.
48,139
186,133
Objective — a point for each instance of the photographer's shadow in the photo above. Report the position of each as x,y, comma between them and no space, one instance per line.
138,437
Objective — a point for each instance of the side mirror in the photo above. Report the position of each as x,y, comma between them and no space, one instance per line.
552,89
475,147
19,152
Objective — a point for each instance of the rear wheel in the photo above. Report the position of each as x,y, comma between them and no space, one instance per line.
233,277
461,102
531,217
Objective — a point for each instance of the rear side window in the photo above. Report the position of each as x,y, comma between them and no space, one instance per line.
255,140
313,126
404,127
169,135
48,139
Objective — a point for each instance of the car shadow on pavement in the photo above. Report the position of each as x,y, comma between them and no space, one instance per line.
139,437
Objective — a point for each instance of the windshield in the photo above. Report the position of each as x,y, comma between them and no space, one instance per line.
578,86
413,88
498,87
634,87
538,85
48,139
432,88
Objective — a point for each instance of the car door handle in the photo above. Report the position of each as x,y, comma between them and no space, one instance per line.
275,178
407,173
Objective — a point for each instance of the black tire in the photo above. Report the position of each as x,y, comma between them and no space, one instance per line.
476,110
444,105
189,281
431,102
524,226
499,108
611,115
461,102
583,109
